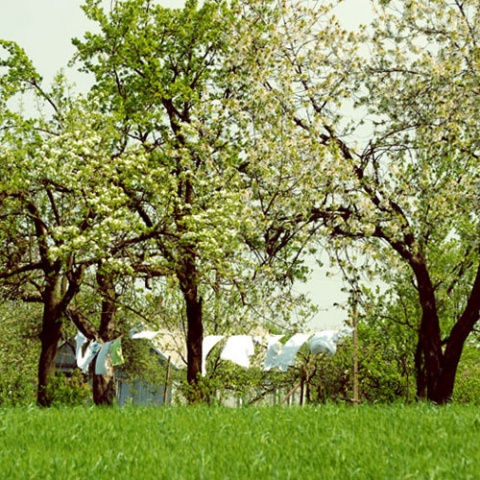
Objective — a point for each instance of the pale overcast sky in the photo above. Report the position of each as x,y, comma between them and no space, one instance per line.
44,29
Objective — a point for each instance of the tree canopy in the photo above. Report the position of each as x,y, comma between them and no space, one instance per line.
219,145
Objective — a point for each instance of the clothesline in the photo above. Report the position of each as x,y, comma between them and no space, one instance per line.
237,348
109,354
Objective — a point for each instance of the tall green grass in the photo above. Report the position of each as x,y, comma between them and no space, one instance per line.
325,442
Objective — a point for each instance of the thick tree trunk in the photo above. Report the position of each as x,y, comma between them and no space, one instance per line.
446,380
194,344
429,347
441,367
454,347
193,307
421,375
430,341
104,388
50,337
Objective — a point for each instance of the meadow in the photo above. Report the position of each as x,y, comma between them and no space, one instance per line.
322,442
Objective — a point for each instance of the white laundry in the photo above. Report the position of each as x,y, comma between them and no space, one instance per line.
176,359
274,347
238,349
345,332
171,346
103,359
148,334
324,342
286,356
83,361
139,327
80,340
208,343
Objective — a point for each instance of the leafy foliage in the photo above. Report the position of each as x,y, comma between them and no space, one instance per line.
19,326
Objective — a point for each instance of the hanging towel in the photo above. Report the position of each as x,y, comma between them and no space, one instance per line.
274,347
85,360
103,359
116,353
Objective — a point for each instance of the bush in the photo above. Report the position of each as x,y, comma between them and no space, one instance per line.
69,390
467,384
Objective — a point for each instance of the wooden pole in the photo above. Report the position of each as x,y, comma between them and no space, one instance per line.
291,392
355,348
167,379
303,382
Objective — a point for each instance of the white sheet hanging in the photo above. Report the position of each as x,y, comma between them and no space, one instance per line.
238,349
148,334
324,342
80,340
286,356
171,345
274,347
208,343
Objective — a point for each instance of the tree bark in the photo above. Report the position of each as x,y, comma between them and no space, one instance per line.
454,346
421,376
59,292
104,387
194,343
187,276
49,337
429,334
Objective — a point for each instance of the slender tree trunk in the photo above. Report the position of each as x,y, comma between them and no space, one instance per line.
54,302
50,335
60,289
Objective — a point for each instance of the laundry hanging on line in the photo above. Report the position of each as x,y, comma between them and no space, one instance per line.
103,362
274,347
286,355
324,342
238,349
84,360
116,352
110,351
208,343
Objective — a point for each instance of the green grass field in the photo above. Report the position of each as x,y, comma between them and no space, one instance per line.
324,442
